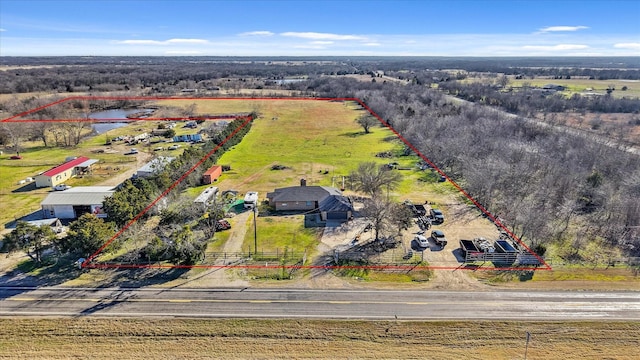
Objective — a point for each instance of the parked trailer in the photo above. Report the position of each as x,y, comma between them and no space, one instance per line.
420,210
480,249
507,251
417,210
503,246
468,246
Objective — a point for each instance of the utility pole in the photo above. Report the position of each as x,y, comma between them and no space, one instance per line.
255,230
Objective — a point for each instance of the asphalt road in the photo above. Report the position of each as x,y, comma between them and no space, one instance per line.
336,304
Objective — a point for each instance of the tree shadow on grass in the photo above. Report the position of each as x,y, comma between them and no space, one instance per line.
27,275
135,278
353,134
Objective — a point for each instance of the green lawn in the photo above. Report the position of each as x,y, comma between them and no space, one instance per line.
309,137
275,234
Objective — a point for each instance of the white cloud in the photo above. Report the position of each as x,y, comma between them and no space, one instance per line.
322,42
165,42
562,28
187,41
372,44
1,30
139,42
559,47
627,46
321,36
257,33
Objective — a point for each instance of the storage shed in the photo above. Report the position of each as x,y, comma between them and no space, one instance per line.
212,174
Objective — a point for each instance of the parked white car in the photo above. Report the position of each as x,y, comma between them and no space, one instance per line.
422,241
61,187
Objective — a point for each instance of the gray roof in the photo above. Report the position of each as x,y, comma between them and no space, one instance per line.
44,222
41,222
82,195
88,163
335,203
156,164
302,193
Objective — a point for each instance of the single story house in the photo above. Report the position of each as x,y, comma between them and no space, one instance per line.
74,202
327,200
212,174
64,172
154,166
187,138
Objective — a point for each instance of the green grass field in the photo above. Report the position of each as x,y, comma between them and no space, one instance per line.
308,137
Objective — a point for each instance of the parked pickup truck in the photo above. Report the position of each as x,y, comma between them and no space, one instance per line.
439,238
436,216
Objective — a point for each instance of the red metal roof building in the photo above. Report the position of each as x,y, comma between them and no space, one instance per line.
64,172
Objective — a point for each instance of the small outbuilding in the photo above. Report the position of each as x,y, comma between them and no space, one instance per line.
188,138
154,166
53,223
212,174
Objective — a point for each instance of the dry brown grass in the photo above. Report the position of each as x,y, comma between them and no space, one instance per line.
76,338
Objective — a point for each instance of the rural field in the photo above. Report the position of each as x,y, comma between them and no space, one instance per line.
315,140
573,85
24,338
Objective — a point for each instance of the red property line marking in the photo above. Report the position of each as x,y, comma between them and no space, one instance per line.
87,263
102,120
143,98
318,267
460,189
171,187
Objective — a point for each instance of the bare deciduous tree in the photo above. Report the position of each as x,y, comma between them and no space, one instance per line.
367,121
371,178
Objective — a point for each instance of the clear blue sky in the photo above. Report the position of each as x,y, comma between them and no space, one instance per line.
312,28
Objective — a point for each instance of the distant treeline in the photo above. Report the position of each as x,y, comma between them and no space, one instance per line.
70,74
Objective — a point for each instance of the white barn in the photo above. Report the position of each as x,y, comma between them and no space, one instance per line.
74,202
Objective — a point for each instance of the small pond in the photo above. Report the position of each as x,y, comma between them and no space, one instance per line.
112,116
